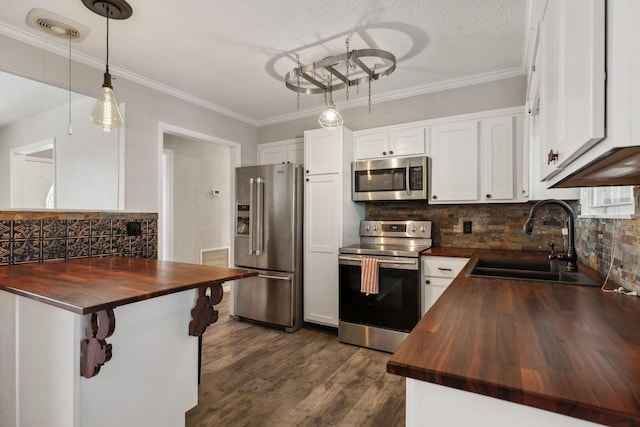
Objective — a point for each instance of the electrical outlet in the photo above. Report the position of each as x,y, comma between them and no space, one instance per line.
466,227
134,228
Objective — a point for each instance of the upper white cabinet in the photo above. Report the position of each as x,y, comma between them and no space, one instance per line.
498,147
323,152
290,151
389,142
570,67
622,101
454,162
479,160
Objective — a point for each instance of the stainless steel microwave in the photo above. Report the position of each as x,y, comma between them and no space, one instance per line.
403,178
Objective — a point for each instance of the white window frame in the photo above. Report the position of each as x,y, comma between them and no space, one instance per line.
592,202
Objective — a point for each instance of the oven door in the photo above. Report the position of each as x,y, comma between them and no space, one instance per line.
396,306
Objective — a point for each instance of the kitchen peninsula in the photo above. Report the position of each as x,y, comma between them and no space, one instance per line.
498,352
104,341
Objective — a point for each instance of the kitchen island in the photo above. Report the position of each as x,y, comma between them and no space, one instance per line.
502,352
66,363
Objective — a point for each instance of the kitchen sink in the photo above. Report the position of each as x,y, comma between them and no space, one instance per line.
529,269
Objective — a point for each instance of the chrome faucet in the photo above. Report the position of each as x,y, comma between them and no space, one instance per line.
571,257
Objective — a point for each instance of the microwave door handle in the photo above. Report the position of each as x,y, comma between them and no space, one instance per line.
407,180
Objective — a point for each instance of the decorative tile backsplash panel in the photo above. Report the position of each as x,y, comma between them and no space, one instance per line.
27,236
494,226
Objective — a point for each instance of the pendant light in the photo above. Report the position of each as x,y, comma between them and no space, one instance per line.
106,113
330,118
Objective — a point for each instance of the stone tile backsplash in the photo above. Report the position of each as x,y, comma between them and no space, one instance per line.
498,226
29,236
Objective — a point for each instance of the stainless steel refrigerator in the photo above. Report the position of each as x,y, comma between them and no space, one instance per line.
268,238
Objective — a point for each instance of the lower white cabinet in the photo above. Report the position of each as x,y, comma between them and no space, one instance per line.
437,273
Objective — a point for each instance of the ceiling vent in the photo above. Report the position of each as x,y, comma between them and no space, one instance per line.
56,25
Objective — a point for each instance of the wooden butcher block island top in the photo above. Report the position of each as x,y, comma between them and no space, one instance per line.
574,350
89,285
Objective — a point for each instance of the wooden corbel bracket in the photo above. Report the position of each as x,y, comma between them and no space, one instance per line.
94,350
203,314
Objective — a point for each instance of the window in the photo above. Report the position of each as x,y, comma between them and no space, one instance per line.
608,202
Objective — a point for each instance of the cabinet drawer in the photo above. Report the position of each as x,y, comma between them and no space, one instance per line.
435,266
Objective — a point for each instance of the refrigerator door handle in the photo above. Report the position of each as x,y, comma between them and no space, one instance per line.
267,276
252,219
259,216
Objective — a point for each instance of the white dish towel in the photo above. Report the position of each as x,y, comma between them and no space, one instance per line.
369,276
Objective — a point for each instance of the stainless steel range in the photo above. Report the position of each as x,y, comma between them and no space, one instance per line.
382,320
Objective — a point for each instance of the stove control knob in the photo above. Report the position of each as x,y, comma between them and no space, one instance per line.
368,227
422,230
413,228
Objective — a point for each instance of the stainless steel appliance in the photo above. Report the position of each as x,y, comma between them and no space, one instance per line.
268,238
403,178
383,320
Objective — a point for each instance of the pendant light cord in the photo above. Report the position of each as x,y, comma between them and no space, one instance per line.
69,128
107,39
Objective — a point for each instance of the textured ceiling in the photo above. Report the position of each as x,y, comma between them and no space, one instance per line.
231,56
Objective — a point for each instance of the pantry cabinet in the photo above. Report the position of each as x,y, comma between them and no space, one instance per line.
290,151
390,142
331,219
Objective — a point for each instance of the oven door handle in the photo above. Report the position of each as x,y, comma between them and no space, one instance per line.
380,261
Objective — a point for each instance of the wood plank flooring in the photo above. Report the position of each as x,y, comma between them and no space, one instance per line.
254,375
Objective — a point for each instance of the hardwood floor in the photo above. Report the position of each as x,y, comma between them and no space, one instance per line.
254,375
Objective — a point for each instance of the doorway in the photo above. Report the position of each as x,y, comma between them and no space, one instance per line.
197,188
32,175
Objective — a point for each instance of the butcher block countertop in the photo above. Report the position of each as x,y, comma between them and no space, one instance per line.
573,350
89,285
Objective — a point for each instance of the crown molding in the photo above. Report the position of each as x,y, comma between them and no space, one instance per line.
43,43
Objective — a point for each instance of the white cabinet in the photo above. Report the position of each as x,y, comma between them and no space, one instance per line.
622,104
571,63
478,160
390,142
291,151
331,220
437,273
497,147
323,150
454,160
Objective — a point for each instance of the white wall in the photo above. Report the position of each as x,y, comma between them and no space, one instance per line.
86,162
492,95
145,109
200,220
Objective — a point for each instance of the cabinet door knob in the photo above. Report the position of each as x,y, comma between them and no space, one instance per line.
551,157
434,197
307,170
488,196
390,152
307,179
427,282
384,153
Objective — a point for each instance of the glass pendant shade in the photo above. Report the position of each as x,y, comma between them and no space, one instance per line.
106,113
330,118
